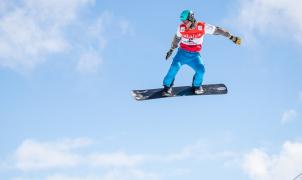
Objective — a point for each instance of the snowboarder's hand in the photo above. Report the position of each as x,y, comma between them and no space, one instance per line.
235,39
169,53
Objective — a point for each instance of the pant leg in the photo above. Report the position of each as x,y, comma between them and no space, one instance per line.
174,68
199,69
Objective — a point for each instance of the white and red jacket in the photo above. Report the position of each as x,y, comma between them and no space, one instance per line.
192,39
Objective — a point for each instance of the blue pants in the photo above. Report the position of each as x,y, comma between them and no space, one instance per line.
191,59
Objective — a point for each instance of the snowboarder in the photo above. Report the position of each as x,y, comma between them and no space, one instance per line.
190,35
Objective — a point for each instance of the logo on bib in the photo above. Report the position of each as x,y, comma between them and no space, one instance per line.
200,28
182,29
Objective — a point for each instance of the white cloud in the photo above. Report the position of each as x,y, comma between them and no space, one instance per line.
126,27
97,33
256,163
89,62
286,165
114,174
53,159
4,6
130,174
126,174
289,115
270,17
118,159
66,177
198,151
34,155
191,151
23,42
57,12
97,30
33,29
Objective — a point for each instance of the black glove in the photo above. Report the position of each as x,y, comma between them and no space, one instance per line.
169,53
235,39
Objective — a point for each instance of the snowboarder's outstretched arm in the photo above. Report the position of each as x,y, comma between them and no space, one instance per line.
223,32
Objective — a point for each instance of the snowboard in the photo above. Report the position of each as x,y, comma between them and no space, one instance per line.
209,89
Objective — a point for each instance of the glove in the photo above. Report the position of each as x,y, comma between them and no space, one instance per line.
169,53
235,39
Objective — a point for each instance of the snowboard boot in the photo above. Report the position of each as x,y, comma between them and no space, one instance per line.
198,90
167,91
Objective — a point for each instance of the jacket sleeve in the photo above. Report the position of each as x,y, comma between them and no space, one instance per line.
209,29
223,32
176,39
175,42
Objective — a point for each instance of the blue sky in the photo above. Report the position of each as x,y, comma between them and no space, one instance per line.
67,69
